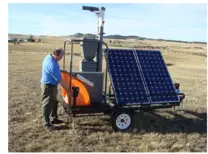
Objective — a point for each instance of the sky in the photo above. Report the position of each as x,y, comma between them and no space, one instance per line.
175,21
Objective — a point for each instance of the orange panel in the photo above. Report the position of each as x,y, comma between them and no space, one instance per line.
83,98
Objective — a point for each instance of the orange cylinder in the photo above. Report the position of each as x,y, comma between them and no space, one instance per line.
83,98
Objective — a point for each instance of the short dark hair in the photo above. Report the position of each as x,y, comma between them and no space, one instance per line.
57,51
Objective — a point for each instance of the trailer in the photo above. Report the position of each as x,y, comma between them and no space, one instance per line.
133,80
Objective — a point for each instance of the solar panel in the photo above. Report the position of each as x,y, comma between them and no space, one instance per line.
140,77
126,78
156,77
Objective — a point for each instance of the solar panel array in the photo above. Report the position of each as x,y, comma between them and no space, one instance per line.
140,77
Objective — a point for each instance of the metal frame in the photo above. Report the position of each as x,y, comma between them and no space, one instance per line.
109,105
94,108
71,60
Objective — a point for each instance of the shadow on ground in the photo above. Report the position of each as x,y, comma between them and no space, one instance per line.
185,121
170,122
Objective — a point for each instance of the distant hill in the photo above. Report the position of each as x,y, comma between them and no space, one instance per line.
81,35
124,37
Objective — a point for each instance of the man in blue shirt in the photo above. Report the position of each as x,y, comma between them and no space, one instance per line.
51,77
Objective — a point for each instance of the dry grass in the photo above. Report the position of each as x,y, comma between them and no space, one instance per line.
161,130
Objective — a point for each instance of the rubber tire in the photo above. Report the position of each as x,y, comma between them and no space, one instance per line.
115,116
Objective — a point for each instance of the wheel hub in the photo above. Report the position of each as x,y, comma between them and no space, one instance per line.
123,121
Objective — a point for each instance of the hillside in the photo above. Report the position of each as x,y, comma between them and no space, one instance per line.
117,37
123,37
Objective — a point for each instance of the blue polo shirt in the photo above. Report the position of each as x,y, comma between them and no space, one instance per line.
51,73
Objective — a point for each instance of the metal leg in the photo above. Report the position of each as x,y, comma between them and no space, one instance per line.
173,109
73,126
62,111
182,106
67,121
72,130
141,118
73,123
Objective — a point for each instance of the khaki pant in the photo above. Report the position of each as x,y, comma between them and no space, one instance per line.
49,103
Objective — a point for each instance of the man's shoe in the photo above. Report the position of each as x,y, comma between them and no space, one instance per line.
50,127
56,121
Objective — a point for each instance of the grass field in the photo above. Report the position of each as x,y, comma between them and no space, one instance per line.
160,131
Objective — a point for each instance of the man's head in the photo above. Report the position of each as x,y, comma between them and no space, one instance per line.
58,53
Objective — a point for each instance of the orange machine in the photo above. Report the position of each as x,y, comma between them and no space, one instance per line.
83,98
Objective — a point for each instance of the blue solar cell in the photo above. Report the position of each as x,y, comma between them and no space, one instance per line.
156,76
126,78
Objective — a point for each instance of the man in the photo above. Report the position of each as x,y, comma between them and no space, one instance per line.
51,77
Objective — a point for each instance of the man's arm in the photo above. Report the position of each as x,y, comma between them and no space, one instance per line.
63,84
56,74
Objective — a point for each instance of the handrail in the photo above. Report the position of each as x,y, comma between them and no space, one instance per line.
64,53
70,66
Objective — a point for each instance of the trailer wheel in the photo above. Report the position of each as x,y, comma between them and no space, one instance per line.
122,121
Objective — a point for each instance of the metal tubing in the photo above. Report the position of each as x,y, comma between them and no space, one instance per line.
70,69
106,70
99,53
64,55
